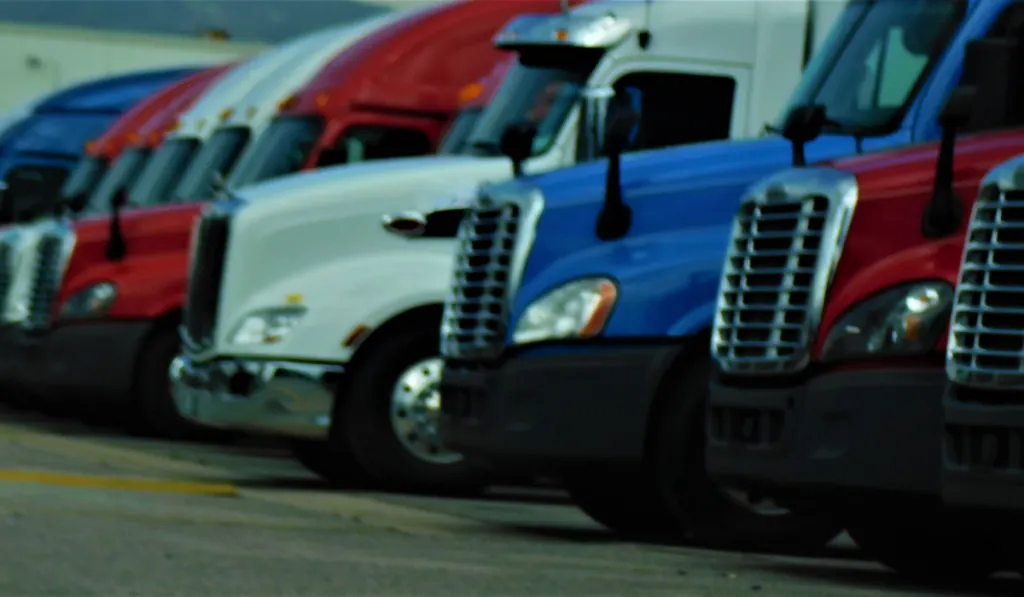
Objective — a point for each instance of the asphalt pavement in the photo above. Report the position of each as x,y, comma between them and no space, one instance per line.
86,511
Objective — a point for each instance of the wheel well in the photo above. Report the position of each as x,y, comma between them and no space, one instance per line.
169,319
426,315
679,367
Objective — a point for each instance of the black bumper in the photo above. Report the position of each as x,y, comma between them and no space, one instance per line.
86,360
983,455
856,432
542,410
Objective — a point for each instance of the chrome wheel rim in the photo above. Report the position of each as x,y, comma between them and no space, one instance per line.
416,410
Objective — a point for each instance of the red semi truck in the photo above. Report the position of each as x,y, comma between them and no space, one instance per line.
118,281
406,99
115,159
831,326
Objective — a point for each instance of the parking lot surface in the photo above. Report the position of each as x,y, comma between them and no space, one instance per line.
84,511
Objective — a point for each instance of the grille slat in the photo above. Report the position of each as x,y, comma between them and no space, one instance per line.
986,336
785,239
489,259
205,277
6,272
52,252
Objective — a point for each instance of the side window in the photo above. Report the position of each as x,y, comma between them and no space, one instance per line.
677,108
361,143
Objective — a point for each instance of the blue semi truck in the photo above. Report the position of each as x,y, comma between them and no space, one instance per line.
38,153
576,336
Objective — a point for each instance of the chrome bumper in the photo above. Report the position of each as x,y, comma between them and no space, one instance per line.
271,397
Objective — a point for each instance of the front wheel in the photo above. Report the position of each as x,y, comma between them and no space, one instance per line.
928,548
698,507
391,411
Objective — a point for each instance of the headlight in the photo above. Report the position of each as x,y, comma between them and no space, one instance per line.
904,321
94,301
578,309
267,326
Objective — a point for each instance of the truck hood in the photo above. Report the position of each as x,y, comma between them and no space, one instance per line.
420,183
683,201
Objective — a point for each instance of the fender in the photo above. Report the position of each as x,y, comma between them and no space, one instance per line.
362,289
668,281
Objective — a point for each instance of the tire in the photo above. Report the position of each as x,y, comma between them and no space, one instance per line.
709,514
331,462
929,548
152,409
365,412
623,502
672,498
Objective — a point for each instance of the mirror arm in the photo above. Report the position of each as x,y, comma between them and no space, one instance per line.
616,217
117,247
944,212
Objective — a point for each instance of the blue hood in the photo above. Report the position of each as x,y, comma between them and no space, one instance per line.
683,201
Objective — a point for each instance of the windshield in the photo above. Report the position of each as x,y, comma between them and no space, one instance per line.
544,96
121,175
455,140
154,185
877,55
282,149
217,156
84,177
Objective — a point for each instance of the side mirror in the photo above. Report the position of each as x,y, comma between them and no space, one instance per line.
803,125
333,156
77,202
517,144
406,223
594,103
6,206
959,107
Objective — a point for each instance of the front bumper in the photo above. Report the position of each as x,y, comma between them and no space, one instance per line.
863,432
983,452
88,360
540,410
277,398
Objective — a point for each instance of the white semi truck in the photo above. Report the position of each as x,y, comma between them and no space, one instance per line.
326,322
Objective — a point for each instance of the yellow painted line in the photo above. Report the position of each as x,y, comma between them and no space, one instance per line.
117,483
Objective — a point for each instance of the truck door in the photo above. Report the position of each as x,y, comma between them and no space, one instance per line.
682,103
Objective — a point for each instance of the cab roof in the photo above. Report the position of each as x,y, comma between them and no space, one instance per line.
200,120
151,133
126,128
419,62
261,102
112,95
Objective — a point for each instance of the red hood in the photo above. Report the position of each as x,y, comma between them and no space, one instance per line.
885,246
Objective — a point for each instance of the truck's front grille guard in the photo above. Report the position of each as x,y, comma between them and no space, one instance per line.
986,337
785,245
51,255
494,242
206,273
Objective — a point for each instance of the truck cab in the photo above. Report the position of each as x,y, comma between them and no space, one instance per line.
594,46
15,282
588,357
241,126
40,151
828,389
407,99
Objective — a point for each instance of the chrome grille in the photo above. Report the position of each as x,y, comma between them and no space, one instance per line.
50,260
785,242
986,341
494,239
205,276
